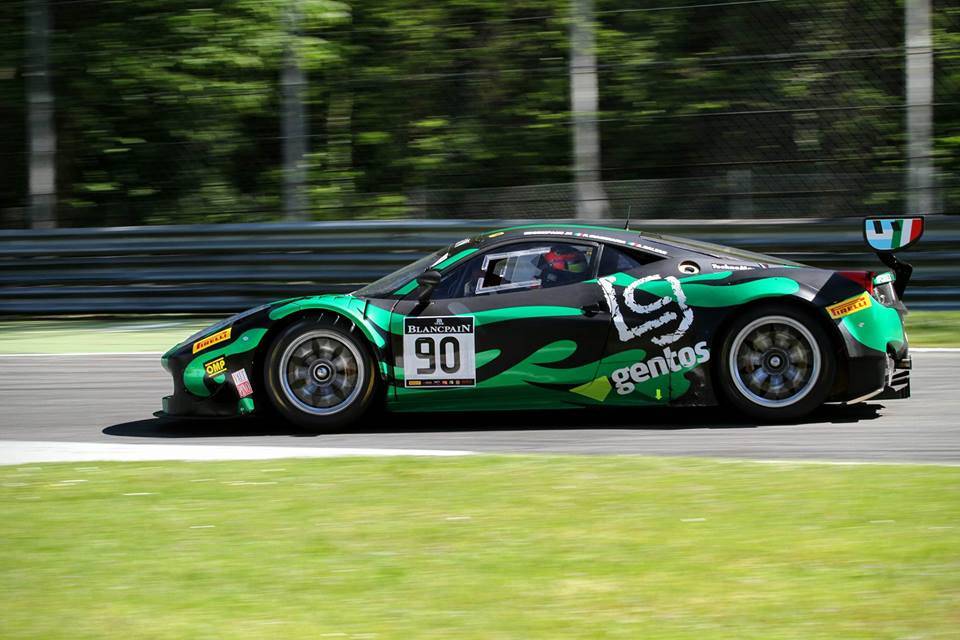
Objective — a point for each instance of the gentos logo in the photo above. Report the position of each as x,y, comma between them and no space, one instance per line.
625,379
215,367
851,305
209,341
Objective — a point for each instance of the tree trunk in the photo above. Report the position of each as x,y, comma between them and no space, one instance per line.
591,201
40,126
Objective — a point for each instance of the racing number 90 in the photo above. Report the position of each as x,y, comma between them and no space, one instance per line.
449,354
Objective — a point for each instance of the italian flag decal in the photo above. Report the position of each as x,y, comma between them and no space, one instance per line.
890,234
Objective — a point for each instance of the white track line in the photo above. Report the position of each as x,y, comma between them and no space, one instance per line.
839,463
935,349
16,452
27,452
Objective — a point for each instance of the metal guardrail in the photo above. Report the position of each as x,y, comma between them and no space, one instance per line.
219,268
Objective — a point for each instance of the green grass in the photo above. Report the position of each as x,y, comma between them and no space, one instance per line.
925,329
934,328
84,335
479,547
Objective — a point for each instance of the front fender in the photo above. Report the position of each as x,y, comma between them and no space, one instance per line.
203,367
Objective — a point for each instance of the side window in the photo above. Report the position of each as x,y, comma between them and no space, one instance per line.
615,260
520,266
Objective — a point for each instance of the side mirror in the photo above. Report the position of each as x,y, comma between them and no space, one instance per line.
428,280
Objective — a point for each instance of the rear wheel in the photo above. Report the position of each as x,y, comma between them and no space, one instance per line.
777,363
320,374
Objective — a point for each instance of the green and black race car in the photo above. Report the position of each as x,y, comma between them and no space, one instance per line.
557,316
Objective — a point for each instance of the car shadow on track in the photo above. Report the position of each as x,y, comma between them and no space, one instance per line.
652,419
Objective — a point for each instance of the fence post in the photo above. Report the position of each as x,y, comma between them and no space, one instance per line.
740,191
293,125
919,72
42,132
591,200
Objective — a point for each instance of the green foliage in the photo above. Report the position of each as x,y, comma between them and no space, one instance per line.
946,38
169,110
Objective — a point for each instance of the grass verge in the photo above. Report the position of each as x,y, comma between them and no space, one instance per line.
934,328
479,547
107,336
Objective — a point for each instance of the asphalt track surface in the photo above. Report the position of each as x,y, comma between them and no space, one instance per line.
111,398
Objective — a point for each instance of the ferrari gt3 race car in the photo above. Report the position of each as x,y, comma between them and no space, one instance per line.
553,316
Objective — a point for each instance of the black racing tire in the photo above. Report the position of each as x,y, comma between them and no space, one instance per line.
321,374
777,363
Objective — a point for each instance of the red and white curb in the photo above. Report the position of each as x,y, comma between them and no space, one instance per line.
28,452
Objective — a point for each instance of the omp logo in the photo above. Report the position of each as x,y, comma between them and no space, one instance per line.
851,305
209,341
626,379
654,315
215,367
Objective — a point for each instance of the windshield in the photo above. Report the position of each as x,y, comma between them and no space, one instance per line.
389,283
721,251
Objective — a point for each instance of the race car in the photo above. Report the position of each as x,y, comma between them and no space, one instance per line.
554,316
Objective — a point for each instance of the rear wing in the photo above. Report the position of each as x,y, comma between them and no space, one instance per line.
886,236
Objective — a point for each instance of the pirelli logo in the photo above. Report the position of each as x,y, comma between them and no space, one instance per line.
215,367
851,305
209,341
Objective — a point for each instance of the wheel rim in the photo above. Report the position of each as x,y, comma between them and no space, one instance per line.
321,373
774,361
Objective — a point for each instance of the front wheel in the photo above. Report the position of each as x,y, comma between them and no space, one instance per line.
320,375
777,363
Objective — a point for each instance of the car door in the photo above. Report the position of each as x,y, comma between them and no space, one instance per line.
654,353
503,330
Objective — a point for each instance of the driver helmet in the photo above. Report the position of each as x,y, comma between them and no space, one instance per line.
564,261
566,258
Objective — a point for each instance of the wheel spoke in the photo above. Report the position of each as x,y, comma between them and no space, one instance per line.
783,339
758,377
325,349
761,342
797,354
794,375
776,383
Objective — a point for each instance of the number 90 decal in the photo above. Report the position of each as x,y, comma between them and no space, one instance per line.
439,352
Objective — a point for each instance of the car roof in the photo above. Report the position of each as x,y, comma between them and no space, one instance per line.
573,231
656,243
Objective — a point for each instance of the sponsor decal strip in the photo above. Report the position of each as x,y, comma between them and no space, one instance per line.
850,305
215,367
626,332
626,379
209,341
439,352
732,267
242,383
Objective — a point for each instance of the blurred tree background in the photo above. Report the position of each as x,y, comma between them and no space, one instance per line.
172,111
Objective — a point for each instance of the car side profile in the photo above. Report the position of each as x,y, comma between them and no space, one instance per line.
554,316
